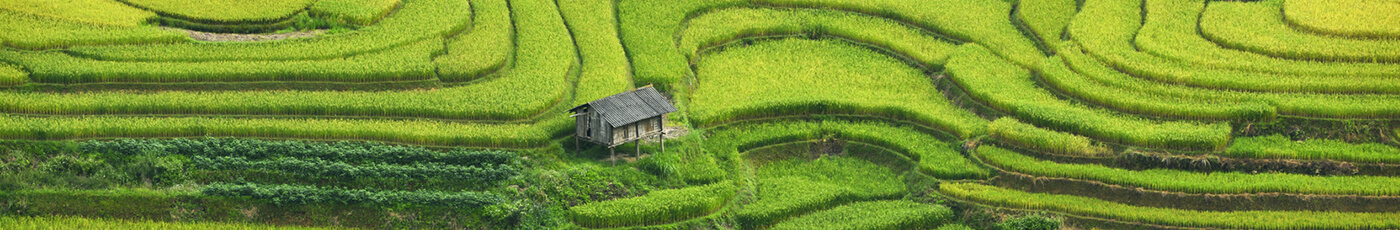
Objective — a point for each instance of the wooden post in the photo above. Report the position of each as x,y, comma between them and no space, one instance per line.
614,155
638,142
662,137
576,148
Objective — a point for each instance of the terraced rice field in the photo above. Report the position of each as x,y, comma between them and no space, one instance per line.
793,114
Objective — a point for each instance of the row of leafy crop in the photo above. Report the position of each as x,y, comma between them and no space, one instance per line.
790,188
1194,182
56,222
484,49
410,131
1173,217
318,167
409,62
1106,30
415,21
545,57
725,25
648,27
300,194
899,214
1259,27
348,151
799,76
1008,88
1171,31
934,157
657,207
1367,19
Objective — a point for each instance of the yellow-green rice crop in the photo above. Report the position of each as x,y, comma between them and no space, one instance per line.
896,214
1296,104
791,187
1170,31
358,12
1026,135
1058,75
1105,28
224,11
1360,18
1280,147
401,131
985,22
935,158
657,207
415,21
1259,27
604,70
1011,89
1195,182
484,49
716,27
797,76
37,223
86,12
26,31
1047,19
1163,216
648,29
12,75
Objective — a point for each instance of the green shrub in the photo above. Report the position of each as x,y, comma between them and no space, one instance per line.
1008,88
1259,27
484,49
890,215
657,207
793,76
358,12
720,26
1163,216
1195,182
1029,136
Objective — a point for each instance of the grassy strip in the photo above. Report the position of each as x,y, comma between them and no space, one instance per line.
415,21
545,59
935,157
32,32
358,12
1195,182
726,25
794,76
605,70
484,50
1175,217
792,187
1280,147
1047,19
12,75
410,62
1008,88
1368,19
84,12
899,214
1296,104
985,22
1106,29
657,207
51,222
224,12
648,29
1258,27
1170,31
411,132
1058,74
1029,136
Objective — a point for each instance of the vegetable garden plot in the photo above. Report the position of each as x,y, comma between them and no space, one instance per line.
1259,27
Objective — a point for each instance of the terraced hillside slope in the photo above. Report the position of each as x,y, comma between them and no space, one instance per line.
793,114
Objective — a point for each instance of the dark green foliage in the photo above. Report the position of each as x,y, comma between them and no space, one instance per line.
347,151
342,170
300,194
1034,221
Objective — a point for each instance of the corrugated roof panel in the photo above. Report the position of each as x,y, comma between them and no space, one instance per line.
628,107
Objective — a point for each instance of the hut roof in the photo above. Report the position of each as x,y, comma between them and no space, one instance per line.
632,106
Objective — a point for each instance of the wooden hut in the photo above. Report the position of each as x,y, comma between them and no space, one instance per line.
625,117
